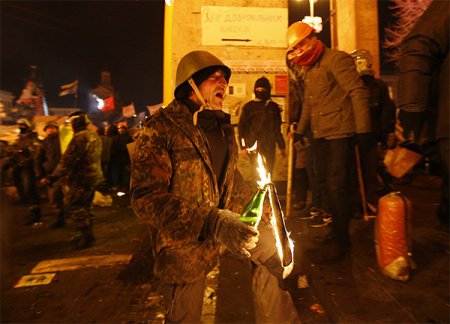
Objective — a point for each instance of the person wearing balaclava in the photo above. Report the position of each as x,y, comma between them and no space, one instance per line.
382,116
21,161
260,123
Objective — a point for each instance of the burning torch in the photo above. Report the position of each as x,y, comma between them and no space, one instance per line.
252,213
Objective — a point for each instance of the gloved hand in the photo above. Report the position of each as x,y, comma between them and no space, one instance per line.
236,236
300,138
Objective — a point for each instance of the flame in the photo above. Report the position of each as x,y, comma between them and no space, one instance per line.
253,148
263,175
286,270
264,183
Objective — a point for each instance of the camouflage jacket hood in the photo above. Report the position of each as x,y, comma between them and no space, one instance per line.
174,189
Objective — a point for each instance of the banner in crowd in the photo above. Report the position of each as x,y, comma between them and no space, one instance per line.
108,104
70,88
154,108
129,111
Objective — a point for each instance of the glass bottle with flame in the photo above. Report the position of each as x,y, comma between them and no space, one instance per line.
252,212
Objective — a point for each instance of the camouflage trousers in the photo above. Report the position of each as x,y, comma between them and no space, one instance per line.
79,205
183,303
56,199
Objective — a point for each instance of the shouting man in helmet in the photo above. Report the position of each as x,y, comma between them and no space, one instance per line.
81,166
335,111
186,187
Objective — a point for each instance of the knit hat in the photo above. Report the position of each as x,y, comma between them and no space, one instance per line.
263,83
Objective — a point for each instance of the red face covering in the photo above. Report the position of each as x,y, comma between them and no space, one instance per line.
309,56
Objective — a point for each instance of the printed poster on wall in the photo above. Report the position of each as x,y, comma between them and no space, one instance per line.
244,26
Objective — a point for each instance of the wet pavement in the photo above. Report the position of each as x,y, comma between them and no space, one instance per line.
355,291
351,291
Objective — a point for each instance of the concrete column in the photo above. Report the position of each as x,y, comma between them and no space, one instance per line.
354,25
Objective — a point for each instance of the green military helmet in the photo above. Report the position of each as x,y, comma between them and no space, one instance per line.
191,64
24,123
51,123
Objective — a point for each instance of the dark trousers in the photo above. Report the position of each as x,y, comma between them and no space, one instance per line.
369,164
317,185
332,169
56,199
301,184
79,206
444,151
25,181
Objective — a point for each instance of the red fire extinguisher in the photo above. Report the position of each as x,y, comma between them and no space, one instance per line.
392,236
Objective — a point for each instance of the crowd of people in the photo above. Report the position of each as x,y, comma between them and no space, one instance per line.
71,172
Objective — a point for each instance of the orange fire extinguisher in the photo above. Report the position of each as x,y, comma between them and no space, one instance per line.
392,236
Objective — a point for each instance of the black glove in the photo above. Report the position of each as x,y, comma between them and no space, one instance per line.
300,138
229,231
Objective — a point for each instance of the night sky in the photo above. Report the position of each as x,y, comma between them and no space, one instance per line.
69,40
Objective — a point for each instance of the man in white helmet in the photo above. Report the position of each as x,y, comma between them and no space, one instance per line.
186,187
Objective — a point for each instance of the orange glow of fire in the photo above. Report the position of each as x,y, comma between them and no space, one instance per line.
263,175
263,183
286,270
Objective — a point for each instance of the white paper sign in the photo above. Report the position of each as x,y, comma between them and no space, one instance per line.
244,26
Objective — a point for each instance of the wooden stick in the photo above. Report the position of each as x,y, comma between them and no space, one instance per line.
361,185
290,171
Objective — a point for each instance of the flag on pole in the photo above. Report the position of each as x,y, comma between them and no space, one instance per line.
154,108
70,88
108,104
129,111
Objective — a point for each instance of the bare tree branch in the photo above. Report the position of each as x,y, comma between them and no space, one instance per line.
406,14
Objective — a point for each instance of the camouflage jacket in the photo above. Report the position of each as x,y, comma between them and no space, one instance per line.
174,189
81,162
23,151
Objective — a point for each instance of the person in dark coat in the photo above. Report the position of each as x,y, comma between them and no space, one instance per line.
260,122
81,166
48,156
382,117
106,156
335,110
121,159
423,89
21,161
